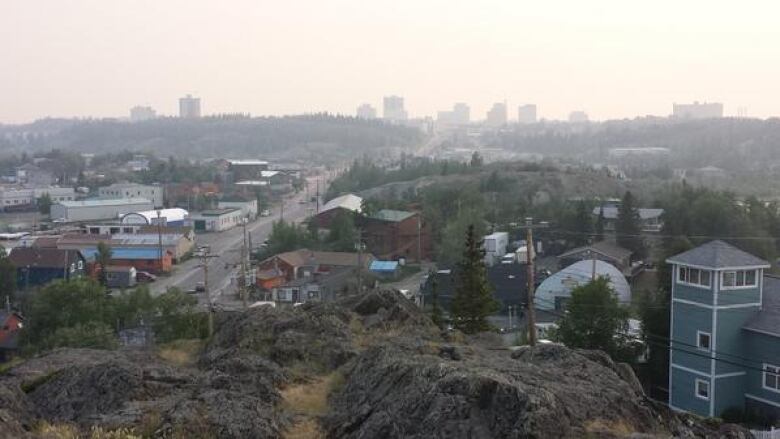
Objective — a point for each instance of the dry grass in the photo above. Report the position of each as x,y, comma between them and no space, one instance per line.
309,401
183,353
306,429
68,431
312,398
602,428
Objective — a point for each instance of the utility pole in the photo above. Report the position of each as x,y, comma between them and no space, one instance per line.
318,194
242,287
419,238
530,256
359,247
159,239
203,254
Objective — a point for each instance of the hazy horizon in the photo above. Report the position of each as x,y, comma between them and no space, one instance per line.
612,59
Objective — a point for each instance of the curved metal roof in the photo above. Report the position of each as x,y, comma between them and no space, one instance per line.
561,283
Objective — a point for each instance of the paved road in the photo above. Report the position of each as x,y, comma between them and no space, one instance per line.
226,247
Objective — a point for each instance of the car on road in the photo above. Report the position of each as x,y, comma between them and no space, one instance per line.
200,287
144,276
265,212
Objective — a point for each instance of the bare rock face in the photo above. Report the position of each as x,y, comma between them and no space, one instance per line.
401,379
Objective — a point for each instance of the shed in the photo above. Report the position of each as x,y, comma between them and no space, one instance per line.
385,268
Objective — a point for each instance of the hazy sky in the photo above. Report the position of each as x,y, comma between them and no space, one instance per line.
613,59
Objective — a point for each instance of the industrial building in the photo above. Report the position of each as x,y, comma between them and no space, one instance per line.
12,199
189,107
248,206
216,220
132,190
163,217
696,110
92,210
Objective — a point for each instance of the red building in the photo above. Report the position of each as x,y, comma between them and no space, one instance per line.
394,234
10,327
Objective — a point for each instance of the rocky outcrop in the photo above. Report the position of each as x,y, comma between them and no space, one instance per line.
391,374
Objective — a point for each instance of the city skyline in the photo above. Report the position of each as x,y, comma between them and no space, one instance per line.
96,59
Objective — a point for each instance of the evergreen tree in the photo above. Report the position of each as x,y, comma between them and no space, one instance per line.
600,225
103,259
476,160
7,276
595,320
473,301
582,224
628,226
44,204
436,314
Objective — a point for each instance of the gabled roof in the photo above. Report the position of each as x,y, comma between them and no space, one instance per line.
603,248
349,201
299,258
41,257
767,321
392,215
100,202
717,255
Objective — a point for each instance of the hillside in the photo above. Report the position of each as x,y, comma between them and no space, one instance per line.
370,366
317,138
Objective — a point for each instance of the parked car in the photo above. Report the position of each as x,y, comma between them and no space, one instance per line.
144,276
200,287
265,212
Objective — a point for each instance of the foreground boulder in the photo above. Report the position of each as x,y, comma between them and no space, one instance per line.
382,368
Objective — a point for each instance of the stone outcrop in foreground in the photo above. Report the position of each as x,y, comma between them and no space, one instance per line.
400,378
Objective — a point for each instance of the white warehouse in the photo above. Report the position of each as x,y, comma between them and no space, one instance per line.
91,210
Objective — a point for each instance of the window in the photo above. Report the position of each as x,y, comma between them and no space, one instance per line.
703,340
81,265
694,276
738,279
772,377
702,389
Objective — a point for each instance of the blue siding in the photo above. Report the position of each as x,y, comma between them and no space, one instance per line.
736,297
693,294
688,319
683,393
764,349
729,392
40,276
730,340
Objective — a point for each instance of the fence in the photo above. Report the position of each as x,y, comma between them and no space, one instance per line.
774,433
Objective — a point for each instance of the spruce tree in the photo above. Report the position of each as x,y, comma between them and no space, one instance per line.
600,225
436,314
582,224
628,226
473,301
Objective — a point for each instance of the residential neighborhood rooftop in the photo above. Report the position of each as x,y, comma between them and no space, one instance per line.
392,215
104,202
717,254
611,212
348,201
602,247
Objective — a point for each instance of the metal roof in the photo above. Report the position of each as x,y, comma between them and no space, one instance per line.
349,201
170,215
245,162
611,212
392,215
384,266
717,254
105,202
133,253
767,321
603,248
561,284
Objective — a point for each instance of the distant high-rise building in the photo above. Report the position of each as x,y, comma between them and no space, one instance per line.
460,115
140,113
696,110
497,116
578,116
526,114
366,111
189,107
393,109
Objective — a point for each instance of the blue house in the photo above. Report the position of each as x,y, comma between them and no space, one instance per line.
38,266
725,332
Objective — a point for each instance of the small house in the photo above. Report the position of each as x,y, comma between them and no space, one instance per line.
38,265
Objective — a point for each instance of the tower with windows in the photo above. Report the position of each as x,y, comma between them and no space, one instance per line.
717,361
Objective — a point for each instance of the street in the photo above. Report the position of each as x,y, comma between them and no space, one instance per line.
225,249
